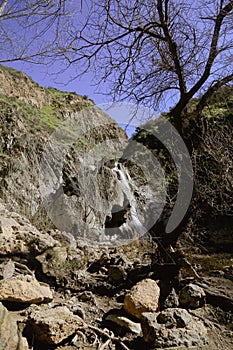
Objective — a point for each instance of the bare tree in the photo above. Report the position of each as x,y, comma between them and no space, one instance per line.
30,30
2,7
150,51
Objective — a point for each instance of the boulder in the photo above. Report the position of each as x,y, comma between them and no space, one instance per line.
18,236
53,325
143,297
172,328
192,296
25,289
62,262
10,338
7,226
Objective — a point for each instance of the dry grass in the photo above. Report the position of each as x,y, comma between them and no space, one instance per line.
208,263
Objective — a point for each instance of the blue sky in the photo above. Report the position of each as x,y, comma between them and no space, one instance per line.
48,75
51,75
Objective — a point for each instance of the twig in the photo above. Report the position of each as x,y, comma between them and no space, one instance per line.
95,341
111,337
82,335
103,346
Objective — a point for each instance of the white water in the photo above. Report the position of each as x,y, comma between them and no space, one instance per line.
125,179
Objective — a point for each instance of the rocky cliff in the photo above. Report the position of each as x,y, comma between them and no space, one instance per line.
48,136
76,268
62,164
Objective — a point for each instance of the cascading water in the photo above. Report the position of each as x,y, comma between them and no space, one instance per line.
134,225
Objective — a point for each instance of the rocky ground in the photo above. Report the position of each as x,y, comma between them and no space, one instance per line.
57,293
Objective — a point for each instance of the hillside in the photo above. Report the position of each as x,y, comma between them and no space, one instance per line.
209,141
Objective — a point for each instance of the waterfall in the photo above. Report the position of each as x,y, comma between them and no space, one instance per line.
125,179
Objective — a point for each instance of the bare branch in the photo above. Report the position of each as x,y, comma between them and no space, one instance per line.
171,44
150,52
213,52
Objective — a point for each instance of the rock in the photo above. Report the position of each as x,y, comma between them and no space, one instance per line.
52,325
25,289
18,236
192,296
77,310
66,239
10,338
143,297
53,260
24,189
173,327
122,321
174,317
61,262
87,296
7,226
104,259
218,293
116,274
8,269
172,300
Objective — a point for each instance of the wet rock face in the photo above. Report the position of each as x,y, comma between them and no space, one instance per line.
59,165
75,183
118,216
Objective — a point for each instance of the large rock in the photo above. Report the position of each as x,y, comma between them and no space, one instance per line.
18,236
10,338
52,325
61,262
25,289
192,296
143,297
173,327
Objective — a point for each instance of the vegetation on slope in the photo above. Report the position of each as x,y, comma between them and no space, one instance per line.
209,140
